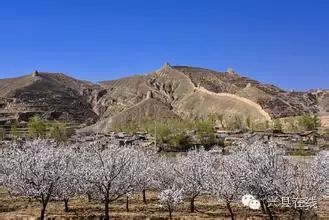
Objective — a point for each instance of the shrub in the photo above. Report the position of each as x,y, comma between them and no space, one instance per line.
260,125
163,133
291,125
277,125
180,141
309,122
249,123
37,127
236,123
14,131
205,132
59,131
2,134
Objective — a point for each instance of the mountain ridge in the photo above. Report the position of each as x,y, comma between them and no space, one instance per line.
183,91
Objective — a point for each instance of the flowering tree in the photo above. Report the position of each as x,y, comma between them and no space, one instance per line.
192,171
40,169
165,181
267,171
70,183
170,198
321,169
110,171
226,180
164,175
309,184
35,170
144,179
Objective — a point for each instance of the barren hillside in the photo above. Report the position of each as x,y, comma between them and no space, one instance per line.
172,91
51,96
277,102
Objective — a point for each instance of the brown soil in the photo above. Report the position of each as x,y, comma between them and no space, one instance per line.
19,208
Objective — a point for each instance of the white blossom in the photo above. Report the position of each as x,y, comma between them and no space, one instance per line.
109,172
226,180
192,171
35,170
170,198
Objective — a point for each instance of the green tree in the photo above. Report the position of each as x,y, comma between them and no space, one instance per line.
14,130
214,117
309,122
249,123
236,123
180,141
205,132
260,125
2,134
129,127
221,120
37,127
163,133
277,125
291,125
59,131
267,124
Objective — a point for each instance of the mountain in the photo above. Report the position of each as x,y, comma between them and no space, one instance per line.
323,106
277,102
170,92
53,96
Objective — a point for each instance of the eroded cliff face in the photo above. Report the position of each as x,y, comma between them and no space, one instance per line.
277,102
179,91
176,92
322,97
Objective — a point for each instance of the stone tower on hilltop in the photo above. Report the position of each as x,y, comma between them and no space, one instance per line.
35,73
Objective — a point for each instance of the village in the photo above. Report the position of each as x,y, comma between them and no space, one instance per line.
298,144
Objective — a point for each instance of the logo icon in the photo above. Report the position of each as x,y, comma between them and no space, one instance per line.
250,201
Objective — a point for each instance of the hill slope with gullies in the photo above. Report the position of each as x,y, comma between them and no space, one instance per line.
53,96
180,92
277,102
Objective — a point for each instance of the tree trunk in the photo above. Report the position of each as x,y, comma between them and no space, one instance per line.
144,196
89,197
263,207
228,205
44,200
192,207
66,205
301,216
269,212
106,205
43,211
170,213
127,203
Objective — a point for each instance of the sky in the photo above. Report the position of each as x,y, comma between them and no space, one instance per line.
282,42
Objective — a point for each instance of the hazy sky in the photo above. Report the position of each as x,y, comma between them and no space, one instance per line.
284,42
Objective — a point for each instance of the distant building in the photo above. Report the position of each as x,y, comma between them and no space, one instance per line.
35,73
